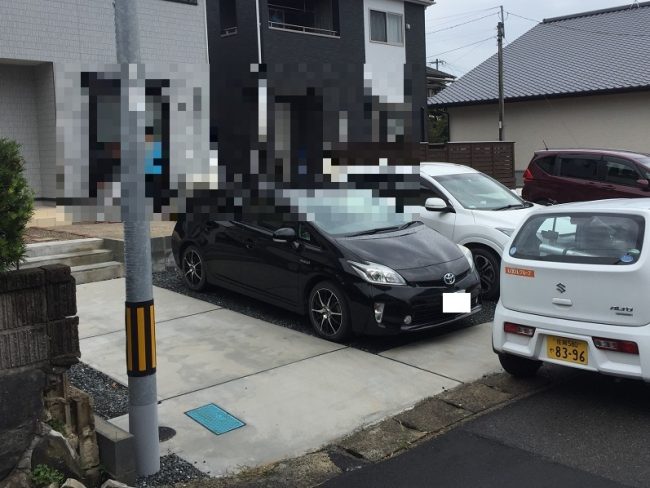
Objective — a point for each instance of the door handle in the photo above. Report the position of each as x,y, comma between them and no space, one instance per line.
564,302
249,244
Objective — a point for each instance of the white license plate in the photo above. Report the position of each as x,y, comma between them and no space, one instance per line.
457,302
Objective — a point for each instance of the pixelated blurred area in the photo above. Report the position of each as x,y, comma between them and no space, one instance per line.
233,150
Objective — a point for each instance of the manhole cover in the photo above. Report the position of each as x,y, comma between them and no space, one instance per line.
165,433
215,419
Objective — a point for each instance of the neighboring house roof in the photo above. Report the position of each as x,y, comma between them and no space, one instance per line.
588,53
439,75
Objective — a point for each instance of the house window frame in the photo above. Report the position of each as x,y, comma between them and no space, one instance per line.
386,14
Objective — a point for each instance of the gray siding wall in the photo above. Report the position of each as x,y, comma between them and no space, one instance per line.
19,116
415,68
46,116
57,30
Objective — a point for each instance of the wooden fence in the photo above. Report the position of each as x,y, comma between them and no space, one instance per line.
494,158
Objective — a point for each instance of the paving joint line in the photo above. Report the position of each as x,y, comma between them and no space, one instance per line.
252,374
424,370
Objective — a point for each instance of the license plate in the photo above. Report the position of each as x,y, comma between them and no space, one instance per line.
570,350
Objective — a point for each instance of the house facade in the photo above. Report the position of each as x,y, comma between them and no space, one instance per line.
297,82
58,92
581,80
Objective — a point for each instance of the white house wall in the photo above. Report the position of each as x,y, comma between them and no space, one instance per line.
384,66
620,121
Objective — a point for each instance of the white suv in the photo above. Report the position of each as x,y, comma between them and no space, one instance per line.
573,290
474,210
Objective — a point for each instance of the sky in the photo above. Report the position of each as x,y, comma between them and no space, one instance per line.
479,32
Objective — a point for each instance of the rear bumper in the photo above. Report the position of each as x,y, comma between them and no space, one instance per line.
606,362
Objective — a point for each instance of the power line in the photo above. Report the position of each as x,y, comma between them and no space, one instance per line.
471,12
461,47
577,29
463,23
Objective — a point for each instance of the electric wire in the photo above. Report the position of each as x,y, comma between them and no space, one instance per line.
578,29
461,24
461,47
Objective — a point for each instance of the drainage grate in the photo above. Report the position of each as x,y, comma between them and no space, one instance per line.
215,419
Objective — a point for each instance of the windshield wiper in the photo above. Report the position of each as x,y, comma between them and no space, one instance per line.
408,224
507,207
375,231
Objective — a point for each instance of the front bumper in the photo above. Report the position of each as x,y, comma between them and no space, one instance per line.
602,361
422,304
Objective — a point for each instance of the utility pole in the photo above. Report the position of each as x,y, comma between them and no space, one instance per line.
500,36
139,314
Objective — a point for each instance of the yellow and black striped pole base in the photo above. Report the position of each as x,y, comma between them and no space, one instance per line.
140,338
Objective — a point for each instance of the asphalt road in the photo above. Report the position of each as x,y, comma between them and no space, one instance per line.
591,431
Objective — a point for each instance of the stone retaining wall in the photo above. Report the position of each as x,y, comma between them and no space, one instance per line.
38,337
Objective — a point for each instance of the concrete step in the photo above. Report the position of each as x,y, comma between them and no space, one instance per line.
62,247
78,258
89,273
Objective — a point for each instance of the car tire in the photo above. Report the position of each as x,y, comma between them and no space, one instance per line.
488,265
329,312
518,366
193,268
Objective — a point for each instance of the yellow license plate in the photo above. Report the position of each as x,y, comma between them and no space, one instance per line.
570,350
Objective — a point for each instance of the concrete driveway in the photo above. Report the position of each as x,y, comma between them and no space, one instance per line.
294,392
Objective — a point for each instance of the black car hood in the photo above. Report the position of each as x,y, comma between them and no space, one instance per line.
414,247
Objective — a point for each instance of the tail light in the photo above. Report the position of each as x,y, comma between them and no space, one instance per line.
627,347
518,329
528,176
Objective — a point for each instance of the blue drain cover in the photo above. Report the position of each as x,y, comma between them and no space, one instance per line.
214,419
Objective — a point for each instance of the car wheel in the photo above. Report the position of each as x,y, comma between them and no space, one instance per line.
487,264
518,366
329,312
193,268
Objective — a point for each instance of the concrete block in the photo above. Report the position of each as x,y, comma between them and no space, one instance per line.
475,397
432,415
381,440
64,341
116,451
24,347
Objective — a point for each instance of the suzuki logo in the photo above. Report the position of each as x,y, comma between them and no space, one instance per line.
449,279
560,287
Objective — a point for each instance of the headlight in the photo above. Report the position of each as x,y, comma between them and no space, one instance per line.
506,231
377,274
468,256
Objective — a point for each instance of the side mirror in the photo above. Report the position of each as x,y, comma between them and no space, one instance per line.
436,205
285,234
643,184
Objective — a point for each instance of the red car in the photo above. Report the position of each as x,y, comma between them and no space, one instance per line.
575,175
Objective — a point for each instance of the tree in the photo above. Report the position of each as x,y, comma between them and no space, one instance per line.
16,204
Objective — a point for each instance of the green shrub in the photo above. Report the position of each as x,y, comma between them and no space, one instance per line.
16,204
43,475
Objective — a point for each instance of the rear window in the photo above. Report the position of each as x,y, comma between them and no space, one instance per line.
593,238
547,164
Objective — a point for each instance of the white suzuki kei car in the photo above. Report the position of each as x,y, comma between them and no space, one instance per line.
574,287
474,210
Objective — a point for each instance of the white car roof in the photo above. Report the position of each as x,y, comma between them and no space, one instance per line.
610,204
440,169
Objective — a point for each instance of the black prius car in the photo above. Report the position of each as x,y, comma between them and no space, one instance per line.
354,265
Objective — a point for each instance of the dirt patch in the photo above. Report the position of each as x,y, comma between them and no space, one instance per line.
34,235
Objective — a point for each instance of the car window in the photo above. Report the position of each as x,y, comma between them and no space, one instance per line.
547,164
576,167
620,172
581,238
477,191
304,234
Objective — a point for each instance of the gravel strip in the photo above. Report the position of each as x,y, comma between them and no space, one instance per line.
171,280
111,399
172,470
37,234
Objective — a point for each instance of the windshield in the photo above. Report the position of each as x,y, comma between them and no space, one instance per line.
477,191
349,212
645,161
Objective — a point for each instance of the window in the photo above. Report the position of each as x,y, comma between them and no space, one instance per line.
320,17
619,172
547,164
386,27
228,16
582,168
588,238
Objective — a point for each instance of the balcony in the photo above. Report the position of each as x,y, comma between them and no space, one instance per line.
318,17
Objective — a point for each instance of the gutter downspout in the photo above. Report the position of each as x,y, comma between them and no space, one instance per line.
259,33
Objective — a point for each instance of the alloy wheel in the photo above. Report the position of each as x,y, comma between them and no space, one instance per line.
326,311
193,268
486,272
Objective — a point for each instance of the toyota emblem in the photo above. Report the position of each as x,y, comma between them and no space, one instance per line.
449,279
